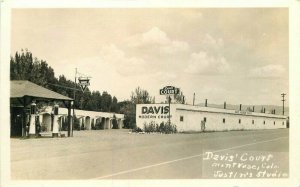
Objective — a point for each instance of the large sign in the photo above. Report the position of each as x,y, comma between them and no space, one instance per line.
155,110
168,90
147,113
84,82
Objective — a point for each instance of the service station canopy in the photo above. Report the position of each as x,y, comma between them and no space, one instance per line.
168,90
26,91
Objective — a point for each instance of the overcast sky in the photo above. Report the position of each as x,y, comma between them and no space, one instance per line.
234,55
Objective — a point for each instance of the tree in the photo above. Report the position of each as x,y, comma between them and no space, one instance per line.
176,98
140,96
128,108
95,101
179,98
87,100
114,105
24,67
106,101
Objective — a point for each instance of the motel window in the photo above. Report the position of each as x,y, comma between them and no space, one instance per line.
274,122
253,121
264,122
239,121
223,120
283,123
204,119
181,118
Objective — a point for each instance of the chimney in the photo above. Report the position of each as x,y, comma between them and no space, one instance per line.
194,100
240,107
205,102
224,105
253,109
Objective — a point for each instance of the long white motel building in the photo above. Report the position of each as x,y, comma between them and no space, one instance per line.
86,118
199,118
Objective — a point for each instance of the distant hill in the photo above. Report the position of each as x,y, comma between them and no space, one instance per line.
257,108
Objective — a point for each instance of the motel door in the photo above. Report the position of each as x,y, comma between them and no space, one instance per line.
202,126
16,122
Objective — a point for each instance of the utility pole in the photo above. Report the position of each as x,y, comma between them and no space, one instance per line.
74,103
282,95
169,109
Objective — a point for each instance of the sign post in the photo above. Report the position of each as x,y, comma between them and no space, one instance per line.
169,110
84,81
169,90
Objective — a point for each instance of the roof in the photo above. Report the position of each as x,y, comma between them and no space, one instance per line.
185,107
84,113
226,111
21,88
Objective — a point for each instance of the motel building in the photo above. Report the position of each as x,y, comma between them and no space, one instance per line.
203,118
87,119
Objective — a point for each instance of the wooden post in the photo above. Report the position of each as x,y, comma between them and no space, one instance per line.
69,119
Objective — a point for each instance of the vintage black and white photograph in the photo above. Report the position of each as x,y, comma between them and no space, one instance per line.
149,93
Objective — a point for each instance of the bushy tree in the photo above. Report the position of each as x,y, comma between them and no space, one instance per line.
114,105
128,109
106,101
141,96
179,98
23,66
176,98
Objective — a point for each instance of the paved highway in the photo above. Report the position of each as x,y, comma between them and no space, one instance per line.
116,154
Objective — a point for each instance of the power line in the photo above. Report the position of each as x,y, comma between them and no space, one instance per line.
64,87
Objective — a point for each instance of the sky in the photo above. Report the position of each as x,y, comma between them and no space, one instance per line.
237,55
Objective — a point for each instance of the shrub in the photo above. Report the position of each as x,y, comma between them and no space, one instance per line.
161,127
165,128
43,128
99,125
137,129
82,127
150,128
76,123
93,124
115,122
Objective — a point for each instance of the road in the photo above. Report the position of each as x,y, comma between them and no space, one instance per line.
116,154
